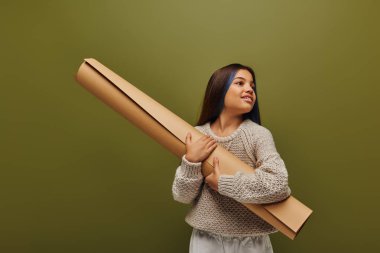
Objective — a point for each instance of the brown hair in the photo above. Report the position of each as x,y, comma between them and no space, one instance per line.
216,90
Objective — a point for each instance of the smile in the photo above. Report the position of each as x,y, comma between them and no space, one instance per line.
247,99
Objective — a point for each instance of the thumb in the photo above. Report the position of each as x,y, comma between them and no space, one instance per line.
216,164
188,138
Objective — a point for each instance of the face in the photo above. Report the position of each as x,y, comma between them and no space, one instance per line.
240,96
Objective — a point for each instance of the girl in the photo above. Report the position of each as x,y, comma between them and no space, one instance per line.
230,117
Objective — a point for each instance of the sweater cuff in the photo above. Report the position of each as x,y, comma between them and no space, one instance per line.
226,185
191,169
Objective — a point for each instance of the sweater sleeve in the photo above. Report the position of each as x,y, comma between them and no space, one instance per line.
269,182
187,181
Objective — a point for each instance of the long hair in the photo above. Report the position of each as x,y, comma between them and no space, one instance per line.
216,90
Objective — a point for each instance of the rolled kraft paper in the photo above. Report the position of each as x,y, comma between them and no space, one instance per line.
170,131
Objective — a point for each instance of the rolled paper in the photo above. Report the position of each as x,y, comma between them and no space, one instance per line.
287,216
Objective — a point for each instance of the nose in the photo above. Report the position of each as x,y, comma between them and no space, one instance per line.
249,88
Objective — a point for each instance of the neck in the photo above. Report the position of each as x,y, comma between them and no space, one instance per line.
227,121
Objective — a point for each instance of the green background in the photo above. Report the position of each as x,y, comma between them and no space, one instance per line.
77,177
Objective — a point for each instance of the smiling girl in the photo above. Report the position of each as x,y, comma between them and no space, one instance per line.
230,118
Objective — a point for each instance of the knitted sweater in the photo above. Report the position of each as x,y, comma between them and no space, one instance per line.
220,212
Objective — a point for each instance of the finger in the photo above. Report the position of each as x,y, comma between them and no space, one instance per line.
190,137
206,138
210,143
211,148
216,163
187,138
210,138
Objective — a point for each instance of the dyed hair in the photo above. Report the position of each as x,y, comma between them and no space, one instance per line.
216,90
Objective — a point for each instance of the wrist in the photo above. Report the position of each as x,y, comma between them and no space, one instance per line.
191,170
191,159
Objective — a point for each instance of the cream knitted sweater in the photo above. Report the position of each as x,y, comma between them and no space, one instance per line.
220,212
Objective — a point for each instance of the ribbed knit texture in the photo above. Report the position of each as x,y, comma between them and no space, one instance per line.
220,212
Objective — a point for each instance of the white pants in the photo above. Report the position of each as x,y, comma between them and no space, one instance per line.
205,242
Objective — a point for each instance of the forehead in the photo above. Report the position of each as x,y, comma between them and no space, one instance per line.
243,73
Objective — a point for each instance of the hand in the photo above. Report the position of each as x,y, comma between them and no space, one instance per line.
213,178
198,151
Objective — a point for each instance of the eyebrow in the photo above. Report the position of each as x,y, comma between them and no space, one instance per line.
241,78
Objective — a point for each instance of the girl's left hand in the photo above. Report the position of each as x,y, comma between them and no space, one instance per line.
212,179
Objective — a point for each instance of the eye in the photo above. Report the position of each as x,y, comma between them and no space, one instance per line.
239,83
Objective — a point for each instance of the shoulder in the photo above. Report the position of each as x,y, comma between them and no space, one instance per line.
259,137
202,128
255,130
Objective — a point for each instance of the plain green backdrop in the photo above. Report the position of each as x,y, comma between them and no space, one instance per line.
77,177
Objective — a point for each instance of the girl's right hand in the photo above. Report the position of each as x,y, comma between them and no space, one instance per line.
198,151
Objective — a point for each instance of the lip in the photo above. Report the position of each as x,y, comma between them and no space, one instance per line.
248,101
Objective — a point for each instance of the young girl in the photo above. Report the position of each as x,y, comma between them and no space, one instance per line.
230,117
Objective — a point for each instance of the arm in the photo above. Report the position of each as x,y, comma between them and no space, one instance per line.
187,181
188,177
269,182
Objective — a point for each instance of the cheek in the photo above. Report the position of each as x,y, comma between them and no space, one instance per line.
233,93
227,100
230,99
233,102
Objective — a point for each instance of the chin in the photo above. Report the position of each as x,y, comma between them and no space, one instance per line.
246,110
